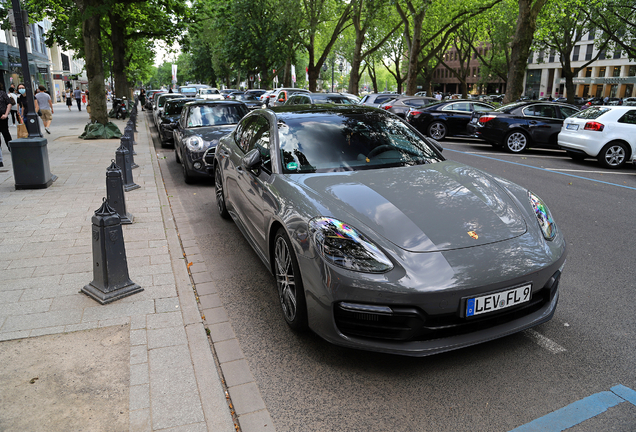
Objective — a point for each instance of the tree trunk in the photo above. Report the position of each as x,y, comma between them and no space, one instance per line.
91,32
524,34
118,41
414,67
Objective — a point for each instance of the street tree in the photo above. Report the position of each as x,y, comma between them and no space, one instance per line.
520,51
560,25
617,19
428,25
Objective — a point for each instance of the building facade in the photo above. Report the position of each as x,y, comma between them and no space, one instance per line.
445,81
48,66
611,75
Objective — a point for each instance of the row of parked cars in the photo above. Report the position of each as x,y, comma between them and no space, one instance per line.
340,202
524,124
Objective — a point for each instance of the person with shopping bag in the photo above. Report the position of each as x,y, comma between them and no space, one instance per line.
23,110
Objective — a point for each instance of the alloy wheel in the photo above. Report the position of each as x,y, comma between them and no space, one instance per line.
516,142
437,131
285,279
614,156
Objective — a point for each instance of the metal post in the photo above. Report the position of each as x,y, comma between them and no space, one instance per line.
115,192
110,270
122,158
31,122
333,64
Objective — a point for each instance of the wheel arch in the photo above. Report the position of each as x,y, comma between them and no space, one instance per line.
628,156
516,128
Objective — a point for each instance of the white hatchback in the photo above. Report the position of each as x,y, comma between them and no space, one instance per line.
607,133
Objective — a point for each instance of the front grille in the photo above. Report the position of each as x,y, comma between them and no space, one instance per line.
208,156
412,324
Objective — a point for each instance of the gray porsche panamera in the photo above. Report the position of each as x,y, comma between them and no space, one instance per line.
377,241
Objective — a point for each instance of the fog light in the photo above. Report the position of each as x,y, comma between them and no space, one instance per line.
197,165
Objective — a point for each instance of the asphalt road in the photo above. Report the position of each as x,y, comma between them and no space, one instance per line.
588,347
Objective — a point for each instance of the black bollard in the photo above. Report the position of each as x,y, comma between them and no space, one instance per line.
110,269
115,193
127,142
122,159
129,131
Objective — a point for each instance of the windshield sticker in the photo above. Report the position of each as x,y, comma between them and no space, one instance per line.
292,166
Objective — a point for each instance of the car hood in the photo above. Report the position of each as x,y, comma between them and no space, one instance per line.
210,133
429,208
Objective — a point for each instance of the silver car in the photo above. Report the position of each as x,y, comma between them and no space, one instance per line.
377,241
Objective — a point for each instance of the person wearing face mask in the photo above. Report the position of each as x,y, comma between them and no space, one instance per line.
23,107
5,109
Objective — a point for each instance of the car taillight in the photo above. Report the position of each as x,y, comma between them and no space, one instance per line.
415,112
485,118
594,126
386,107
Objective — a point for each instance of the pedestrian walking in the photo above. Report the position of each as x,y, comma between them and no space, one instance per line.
142,98
5,109
46,107
14,106
84,98
69,100
77,94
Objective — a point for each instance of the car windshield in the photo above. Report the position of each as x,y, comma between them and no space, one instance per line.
331,99
188,90
215,115
208,91
591,113
174,107
164,98
351,141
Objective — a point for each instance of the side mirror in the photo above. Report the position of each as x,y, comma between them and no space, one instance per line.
252,160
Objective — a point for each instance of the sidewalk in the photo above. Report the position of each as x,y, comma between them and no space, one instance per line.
143,363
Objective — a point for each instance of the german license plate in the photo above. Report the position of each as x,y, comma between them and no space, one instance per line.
572,126
498,301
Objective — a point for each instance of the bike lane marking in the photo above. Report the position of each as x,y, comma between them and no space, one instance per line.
543,169
579,411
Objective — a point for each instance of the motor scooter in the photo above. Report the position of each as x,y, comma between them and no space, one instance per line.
121,108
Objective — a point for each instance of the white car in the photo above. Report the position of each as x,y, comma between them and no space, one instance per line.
607,133
209,94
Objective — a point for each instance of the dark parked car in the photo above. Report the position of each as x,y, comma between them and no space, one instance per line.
447,118
401,106
318,98
378,242
200,126
256,92
251,100
169,118
521,125
150,97
375,99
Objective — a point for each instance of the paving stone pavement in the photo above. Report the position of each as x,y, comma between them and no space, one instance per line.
46,258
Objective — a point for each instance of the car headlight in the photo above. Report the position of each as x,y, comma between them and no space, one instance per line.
194,143
342,245
544,218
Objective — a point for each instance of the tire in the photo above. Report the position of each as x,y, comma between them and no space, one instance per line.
575,156
187,177
176,155
220,193
516,141
289,283
613,155
437,130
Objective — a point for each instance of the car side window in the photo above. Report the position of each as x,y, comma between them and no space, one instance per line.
414,102
459,106
567,111
241,134
540,111
381,99
184,114
481,107
259,139
629,117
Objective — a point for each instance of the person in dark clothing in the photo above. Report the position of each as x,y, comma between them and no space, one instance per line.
5,109
77,94
142,98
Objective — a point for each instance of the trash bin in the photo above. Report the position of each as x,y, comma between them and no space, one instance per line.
30,160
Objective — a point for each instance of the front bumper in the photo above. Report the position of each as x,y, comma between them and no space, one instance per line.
196,163
424,314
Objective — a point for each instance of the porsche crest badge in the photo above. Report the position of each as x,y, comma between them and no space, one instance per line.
473,234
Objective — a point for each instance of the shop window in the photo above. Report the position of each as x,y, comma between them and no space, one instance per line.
588,72
617,71
632,70
601,71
